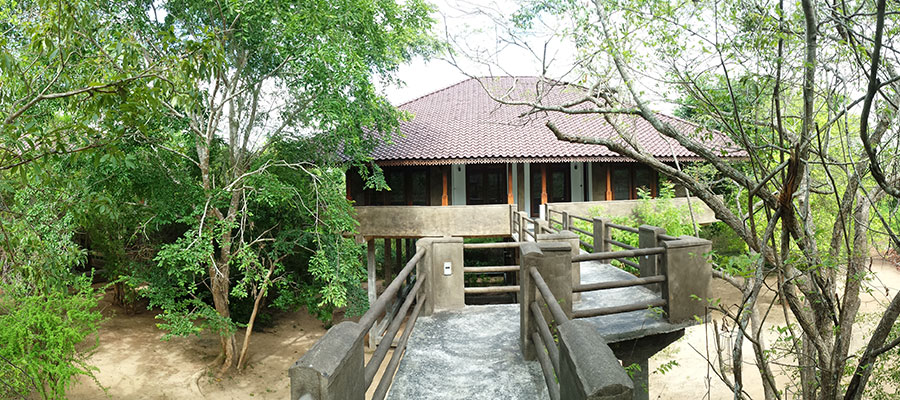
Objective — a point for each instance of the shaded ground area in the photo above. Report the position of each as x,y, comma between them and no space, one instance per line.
135,364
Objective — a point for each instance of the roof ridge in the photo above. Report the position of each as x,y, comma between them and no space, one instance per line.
436,91
478,78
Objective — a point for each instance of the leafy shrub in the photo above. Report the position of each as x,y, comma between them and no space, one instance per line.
41,349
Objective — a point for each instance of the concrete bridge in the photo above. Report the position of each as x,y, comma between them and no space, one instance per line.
576,322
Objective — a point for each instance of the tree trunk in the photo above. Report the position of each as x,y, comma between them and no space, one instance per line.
220,288
259,296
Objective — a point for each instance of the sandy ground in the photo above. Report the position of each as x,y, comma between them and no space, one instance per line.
135,364
692,380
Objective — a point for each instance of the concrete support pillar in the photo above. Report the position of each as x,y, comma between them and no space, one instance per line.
442,264
398,248
588,367
571,240
372,283
648,236
526,186
601,235
576,177
553,261
565,220
640,377
458,184
688,274
333,368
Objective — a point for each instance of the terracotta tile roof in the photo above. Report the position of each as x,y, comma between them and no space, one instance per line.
463,124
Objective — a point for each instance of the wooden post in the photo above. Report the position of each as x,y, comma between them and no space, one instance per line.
510,199
398,252
522,226
601,234
373,289
445,200
688,274
648,237
609,193
543,184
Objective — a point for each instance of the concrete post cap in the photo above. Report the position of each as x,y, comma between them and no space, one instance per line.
685,241
561,235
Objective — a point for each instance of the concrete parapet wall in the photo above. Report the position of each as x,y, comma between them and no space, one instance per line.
588,367
624,208
333,369
420,221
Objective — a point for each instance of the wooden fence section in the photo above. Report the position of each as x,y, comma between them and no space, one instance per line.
333,368
624,208
506,272
579,365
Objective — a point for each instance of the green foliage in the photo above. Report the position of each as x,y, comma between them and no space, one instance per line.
43,345
659,211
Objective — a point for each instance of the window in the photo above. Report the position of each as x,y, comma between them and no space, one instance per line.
486,184
626,179
621,184
409,186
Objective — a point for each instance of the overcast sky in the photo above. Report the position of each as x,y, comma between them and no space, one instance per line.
457,18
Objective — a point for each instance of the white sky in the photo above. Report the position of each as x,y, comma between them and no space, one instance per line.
456,18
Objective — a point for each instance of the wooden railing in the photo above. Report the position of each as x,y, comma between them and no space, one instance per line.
563,346
331,368
682,273
494,270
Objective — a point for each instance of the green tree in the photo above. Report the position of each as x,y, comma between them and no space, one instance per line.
262,88
783,80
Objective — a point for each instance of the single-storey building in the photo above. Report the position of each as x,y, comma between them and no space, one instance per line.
462,147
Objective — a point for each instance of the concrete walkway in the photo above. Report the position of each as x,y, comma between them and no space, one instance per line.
473,353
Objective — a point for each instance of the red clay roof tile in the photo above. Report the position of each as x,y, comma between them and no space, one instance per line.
463,124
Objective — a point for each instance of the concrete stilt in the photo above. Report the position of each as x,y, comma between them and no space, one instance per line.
373,289
388,262
641,378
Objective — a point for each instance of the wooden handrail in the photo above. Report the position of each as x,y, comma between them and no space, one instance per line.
383,347
375,310
629,263
609,255
388,377
493,268
572,228
620,244
590,287
544,330
581,218
556,310
546,368
622,227
491,289
596,312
